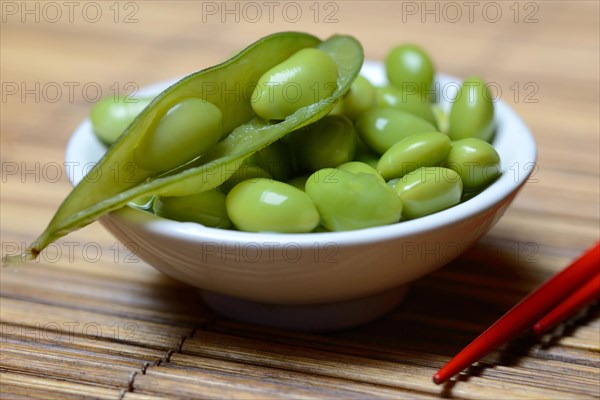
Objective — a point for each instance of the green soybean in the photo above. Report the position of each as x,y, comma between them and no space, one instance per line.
472,112
307,77
428,190
408,67
187,130
412,102
244,172
264,205
381,128
326,143
206,208
112,115
360,98
244,134
348,201
364,153
476,161
276,159
428,149
357,167
441,118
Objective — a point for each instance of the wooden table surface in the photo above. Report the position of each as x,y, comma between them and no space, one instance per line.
91,320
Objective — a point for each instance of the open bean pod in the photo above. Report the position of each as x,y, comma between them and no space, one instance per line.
243,133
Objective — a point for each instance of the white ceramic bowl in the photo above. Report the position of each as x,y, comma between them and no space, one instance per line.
317,281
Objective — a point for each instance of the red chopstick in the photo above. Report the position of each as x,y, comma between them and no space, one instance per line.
583,296
525,313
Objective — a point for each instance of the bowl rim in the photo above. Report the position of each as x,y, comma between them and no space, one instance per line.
519,159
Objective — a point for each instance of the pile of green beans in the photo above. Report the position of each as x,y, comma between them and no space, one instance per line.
382,155
312,147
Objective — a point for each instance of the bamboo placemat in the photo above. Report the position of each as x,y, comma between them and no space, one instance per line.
90,320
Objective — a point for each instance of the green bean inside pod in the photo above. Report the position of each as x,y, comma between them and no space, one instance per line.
187,130
305,78
225,86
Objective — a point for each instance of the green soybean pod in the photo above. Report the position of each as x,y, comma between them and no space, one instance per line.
476,161
206,208
408,66
188,130
276,159
243,133
110,116
427,149
144,202
358,167
428,190
360,98
307,77
472,112
348,201
381,128
244,172
326,143
264,205
412,102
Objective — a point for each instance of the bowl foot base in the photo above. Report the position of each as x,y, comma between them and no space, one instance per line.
320,317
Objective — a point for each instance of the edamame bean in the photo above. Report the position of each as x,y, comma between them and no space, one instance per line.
206,208
472,112
306,77
245,172
441,118
358,167
264,205
476,161
348,201
412,102
364,153
381,128
428,149
408,67
326,143
428,190
111,116
276,159
359,99
188,130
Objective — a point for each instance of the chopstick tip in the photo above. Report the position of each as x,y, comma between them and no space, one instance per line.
437,379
